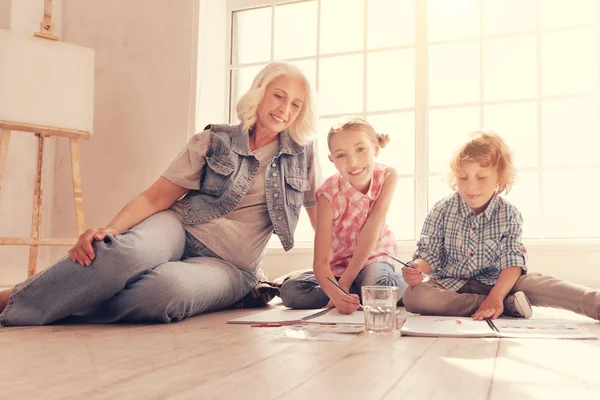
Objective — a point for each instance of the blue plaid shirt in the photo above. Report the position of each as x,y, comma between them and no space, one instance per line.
461,246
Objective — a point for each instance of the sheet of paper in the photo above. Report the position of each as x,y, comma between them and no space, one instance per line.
275,315
436,326
420,325
335,317
541,329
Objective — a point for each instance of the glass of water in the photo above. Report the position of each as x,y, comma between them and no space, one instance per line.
379,304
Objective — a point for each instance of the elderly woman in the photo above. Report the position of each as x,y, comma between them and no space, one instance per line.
193,241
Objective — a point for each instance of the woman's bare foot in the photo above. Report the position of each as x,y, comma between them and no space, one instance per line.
4,295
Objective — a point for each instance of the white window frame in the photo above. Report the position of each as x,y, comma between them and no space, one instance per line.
218,18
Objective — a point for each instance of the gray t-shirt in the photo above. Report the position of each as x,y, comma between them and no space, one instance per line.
241,236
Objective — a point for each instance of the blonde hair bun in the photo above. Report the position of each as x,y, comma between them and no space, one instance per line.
358,123
383,139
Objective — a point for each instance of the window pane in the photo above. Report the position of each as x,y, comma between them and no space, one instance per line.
508,16
241,80
304,231
571,203
454,73
561,13
456,19
510,68
391,80
390,23
571,132
251,36
517,124
525,196
341,85
309,68
327,167
342,25
437,190
448,130
401,215
569,62
296,30
400,151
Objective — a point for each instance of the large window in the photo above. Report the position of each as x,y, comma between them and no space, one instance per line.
429,72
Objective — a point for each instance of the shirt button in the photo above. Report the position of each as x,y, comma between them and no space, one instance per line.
273,165
276,207
274,174
279,218
276,195
276,185
471,254
474,228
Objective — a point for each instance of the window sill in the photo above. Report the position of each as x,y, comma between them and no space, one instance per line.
548,245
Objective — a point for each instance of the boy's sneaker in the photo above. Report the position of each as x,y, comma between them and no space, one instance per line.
517,306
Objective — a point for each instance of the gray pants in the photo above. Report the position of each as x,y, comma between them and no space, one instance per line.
544,291
151,273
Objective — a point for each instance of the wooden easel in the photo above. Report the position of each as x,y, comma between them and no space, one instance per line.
36,220
46,26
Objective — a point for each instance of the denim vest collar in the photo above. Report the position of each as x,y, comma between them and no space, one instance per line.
287,145
240,142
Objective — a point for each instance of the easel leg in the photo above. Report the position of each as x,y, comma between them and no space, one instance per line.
77,194
36,219
4,136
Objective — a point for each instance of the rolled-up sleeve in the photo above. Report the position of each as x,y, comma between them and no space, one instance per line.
431,244
512,253
187,168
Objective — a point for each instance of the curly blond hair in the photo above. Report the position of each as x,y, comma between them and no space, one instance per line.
488,150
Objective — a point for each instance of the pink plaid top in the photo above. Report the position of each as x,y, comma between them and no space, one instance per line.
350,211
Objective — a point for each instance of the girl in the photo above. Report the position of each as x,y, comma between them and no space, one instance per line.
471,245
352,239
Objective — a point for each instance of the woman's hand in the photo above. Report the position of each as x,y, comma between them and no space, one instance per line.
492,307
82,252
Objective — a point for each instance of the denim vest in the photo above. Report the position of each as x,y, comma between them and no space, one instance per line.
229,173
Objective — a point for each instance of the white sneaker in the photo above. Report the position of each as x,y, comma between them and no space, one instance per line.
517,305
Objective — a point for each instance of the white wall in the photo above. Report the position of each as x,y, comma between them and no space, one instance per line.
144,101
5,6
16,196
212,64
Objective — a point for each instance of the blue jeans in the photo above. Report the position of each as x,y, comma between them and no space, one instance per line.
305,292
153,272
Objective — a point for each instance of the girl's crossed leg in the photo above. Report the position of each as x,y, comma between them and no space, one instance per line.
304,292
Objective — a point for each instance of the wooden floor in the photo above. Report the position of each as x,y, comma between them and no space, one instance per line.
205,358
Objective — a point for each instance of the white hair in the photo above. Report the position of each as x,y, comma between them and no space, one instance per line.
304,125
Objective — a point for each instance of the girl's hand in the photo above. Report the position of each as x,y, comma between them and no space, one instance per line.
346,304
411,276
82,252
492,307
